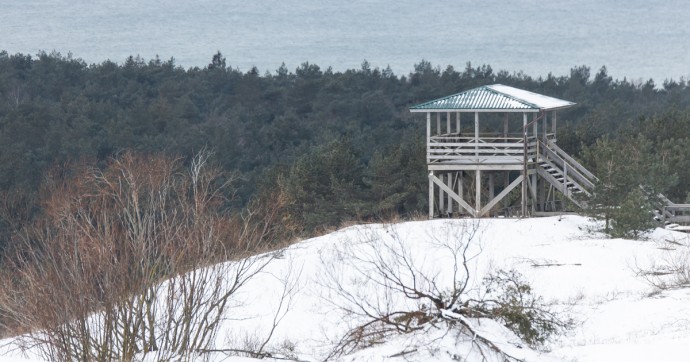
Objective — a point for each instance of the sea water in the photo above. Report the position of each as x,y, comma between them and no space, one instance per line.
634,39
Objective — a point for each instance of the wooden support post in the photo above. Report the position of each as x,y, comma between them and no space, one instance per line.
457,122
441,198
506,182
428,127
566,192
461,181
491,187
524,170
448,122
533,191
450,186
550,198
541,195
553,125
535,162
431,195
476,134
438,123
428,135
478,192
505,126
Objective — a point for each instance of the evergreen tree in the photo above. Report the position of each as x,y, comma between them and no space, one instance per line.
630,177
327,187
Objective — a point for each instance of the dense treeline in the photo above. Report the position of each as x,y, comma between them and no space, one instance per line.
343,144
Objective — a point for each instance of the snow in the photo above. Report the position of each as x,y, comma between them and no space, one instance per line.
677,227
595,280
539,100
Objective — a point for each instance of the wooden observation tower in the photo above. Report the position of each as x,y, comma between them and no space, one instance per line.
486,142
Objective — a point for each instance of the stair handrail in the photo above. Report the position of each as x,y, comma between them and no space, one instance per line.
562,187
572,161
573,171
568,177
666,207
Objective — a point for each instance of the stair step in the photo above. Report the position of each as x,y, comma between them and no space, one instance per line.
558,175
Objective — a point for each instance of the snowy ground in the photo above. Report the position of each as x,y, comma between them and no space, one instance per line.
618,315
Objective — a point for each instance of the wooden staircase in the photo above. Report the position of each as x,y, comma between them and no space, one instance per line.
564,173
576,182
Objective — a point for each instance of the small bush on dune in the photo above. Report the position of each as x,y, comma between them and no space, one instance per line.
510,299
414,292
124,262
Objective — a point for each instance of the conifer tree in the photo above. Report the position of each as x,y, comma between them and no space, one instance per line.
630,179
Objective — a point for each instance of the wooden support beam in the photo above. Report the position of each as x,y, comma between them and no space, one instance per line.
438,123
434,180
428,127
428,134
505,125
533,184
506,182
448,122
476,133
474,166
541,195
566,191
457,122
532,188
523,202
491,185
478,191
500,196
449,177
431,195
461,187
441,198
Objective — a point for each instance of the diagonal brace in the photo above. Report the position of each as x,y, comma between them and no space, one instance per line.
452,194
500,196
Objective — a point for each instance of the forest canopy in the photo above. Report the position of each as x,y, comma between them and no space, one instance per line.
342,143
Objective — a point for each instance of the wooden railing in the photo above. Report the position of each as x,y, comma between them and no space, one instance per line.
672,212
590,176
572,169
491,149
677,213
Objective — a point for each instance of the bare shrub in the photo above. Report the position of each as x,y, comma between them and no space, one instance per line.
510,299
128,261
386,287
672,270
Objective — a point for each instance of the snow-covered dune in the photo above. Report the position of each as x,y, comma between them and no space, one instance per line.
592,279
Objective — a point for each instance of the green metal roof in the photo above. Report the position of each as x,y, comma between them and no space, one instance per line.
493,98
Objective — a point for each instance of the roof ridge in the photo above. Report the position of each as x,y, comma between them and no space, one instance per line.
493,98
511,96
